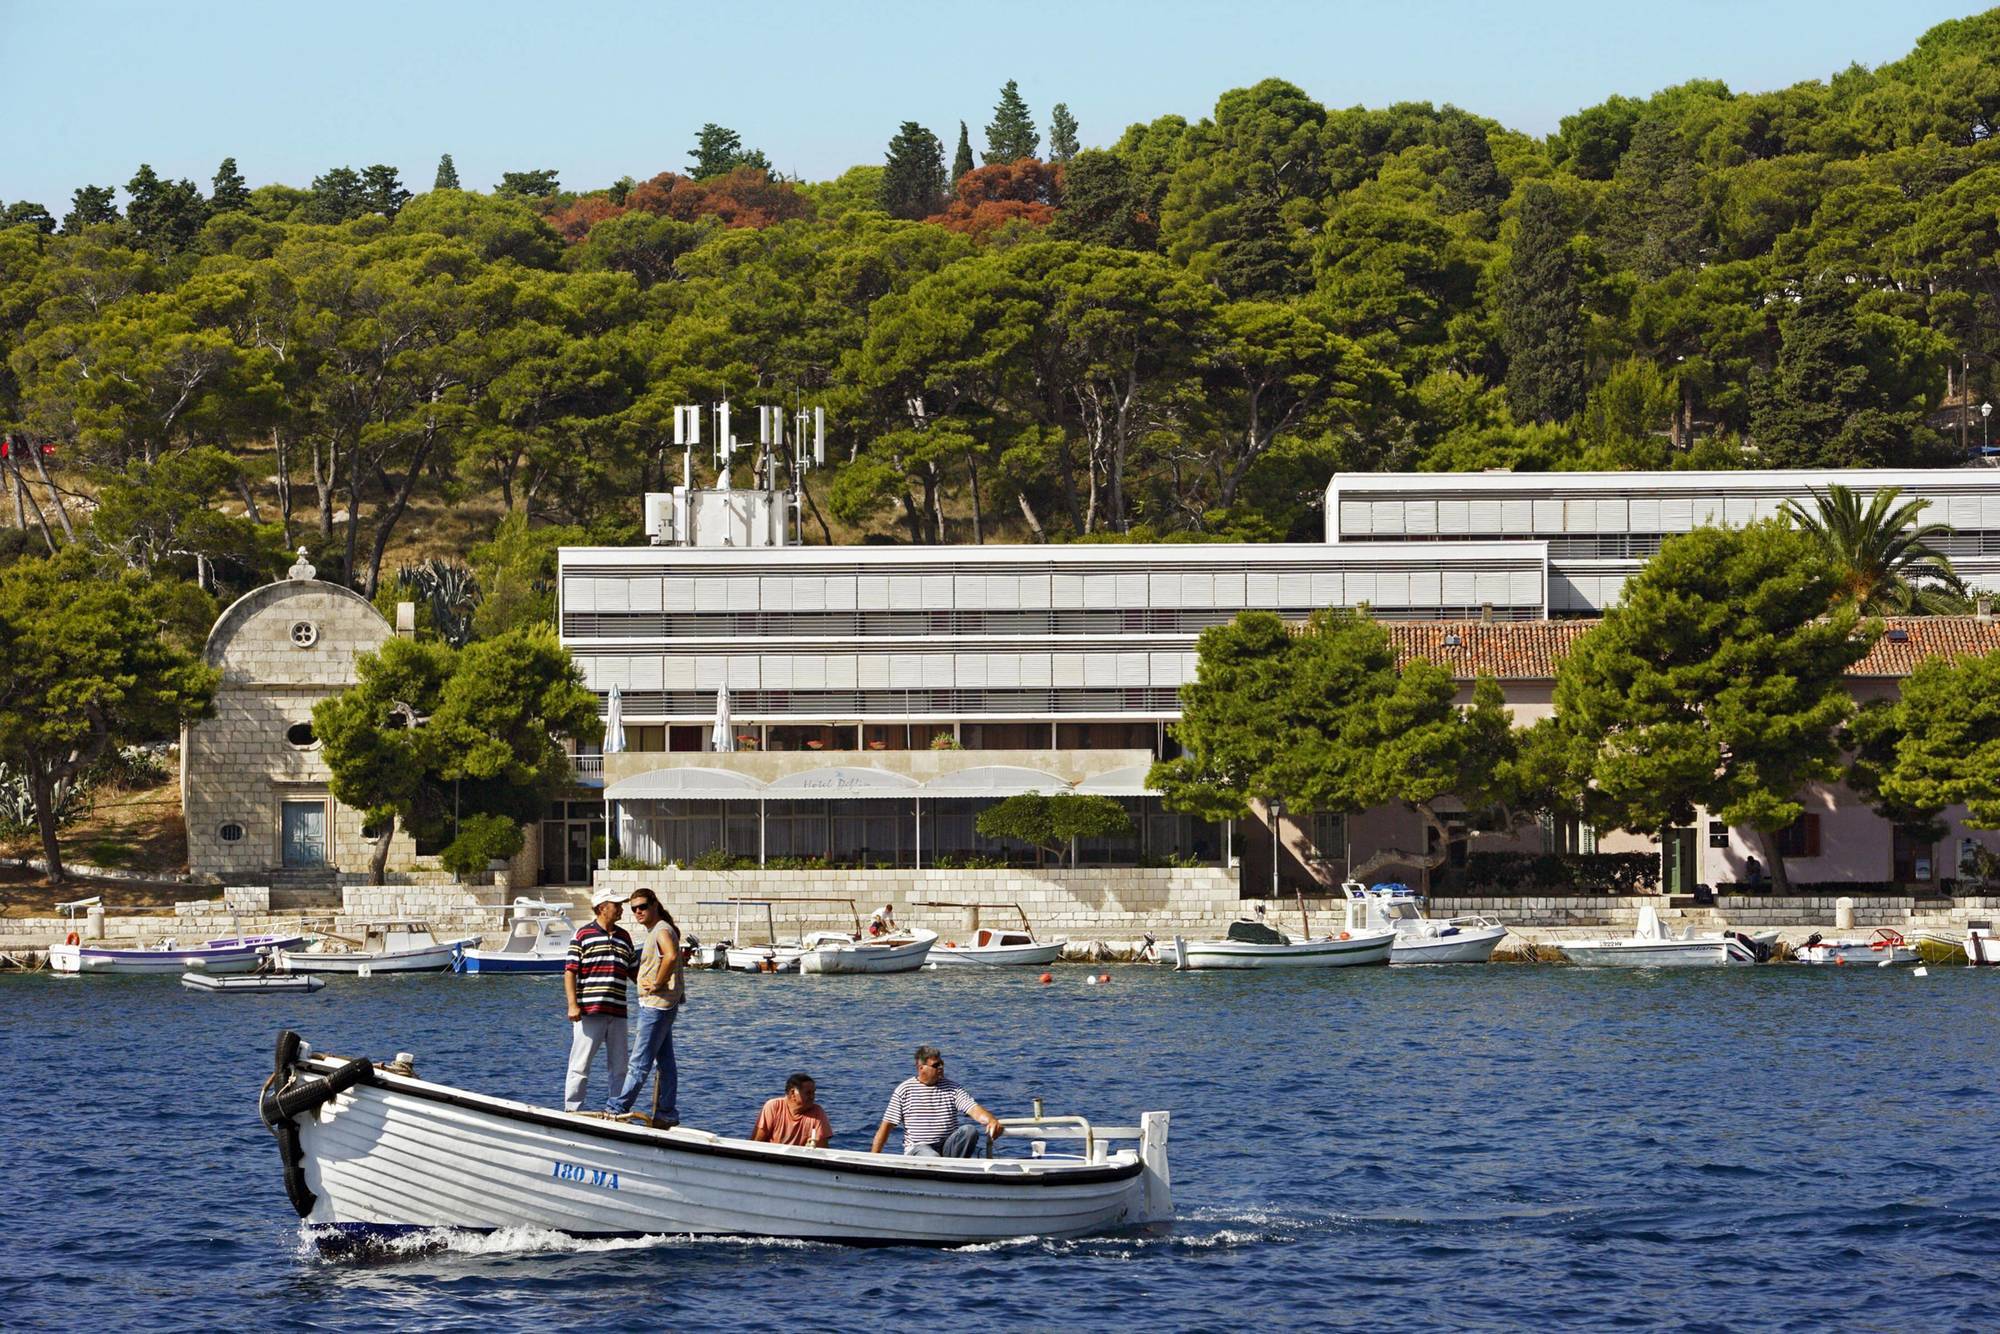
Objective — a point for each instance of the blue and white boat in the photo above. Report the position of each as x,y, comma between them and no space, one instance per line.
229,954
537,941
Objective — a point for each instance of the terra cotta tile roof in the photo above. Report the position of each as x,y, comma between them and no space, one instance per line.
1531,650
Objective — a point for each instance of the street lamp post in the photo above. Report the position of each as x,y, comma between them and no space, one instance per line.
1985,426
1277,813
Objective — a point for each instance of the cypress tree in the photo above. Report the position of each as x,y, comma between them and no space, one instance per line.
1012,135
447,174
1472,183
1541,315
227,192
913,184
1062,133
961,161
1828,402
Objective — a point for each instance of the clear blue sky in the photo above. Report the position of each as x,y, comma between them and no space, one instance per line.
599,91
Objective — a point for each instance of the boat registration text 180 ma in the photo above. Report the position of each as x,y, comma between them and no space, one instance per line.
596,1176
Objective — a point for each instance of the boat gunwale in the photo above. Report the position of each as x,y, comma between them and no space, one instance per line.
903,1168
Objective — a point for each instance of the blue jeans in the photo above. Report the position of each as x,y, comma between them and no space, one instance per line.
965,1142
654,1047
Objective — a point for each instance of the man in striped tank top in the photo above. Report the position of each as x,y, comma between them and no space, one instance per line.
928,1108
600,963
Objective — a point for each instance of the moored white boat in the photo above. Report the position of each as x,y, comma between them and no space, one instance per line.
1255,945
232,954
1884,947
538,936
997,947
1652,945
1982,947
383,947
836,952
372,1150
254,984
1420,939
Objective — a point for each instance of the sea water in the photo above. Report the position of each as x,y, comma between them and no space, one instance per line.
1469,1147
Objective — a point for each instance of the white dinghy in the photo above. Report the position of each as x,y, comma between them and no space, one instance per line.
836,952
1982,947
382,947
1653,945
738,956
371,1149
538,936
1885,947
1420,939
254,984
995,947
1252,944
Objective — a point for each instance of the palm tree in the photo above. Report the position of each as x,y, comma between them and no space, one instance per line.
1887,558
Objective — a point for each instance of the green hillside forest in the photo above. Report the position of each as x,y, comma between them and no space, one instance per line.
1177,334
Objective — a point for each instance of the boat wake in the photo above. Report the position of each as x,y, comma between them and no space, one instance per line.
335,1245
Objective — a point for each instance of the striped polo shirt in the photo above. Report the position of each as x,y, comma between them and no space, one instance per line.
926,1114
603,962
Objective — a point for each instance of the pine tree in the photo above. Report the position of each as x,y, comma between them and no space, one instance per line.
227,192
383,188
961,161
447,174
166,216
1541,314
913,184
1062,133
1833,400
528,184
719,150
89,206
337,196
1012,134
27,213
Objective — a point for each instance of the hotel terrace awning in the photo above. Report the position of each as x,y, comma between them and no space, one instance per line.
1130,782
996,780
689,783
841,783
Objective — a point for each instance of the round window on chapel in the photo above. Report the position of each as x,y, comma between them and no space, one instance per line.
304,634
230,833
301,736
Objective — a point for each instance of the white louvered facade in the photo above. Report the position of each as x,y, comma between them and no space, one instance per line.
870,634
1600,527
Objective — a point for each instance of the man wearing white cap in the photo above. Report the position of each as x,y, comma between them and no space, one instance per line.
600,964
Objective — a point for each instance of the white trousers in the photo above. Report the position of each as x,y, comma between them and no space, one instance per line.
592,1032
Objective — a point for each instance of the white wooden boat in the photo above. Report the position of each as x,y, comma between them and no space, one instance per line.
1420,939
254,984
371,1149
837,952
382,947
1250,944
744,957
1884,947
230,954
1982,947
998,947
538,936
1653,945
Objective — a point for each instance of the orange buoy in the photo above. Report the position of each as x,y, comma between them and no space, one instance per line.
1048,977
71,939
1104,977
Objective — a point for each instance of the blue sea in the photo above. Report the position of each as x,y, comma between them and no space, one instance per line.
1478,1147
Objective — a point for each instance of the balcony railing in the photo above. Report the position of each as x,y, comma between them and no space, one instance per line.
589,769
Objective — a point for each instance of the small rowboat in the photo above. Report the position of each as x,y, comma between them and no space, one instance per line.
374,1150
989,947
232,954
383,947
1884,948
254,984
1255,945
835,952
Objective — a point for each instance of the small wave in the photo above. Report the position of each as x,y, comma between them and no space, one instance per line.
333,1244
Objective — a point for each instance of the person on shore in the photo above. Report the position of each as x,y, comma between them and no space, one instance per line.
794,1117
594,977
1753,870
928,1107
662,986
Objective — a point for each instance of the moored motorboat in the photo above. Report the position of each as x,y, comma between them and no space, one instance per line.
1886,946
998,947
1653,945
1420,939
254,984
538,936
231,954
373,1149
1252,944
1982,947
837,952
399,946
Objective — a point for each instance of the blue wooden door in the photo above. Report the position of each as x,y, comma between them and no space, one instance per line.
304,834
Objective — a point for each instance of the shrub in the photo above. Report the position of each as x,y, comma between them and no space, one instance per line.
481,839
715,859
633,864
1563,873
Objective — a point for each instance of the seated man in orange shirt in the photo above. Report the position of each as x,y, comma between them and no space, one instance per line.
794,1118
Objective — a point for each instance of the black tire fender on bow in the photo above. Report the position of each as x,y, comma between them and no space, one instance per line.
308,1095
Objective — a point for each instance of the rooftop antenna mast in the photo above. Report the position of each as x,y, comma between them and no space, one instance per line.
805,451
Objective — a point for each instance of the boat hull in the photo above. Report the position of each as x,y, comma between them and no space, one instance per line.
430,959
760,959
1037,955
497,961
1855,954
396,1153
1655,954
86,959
263,985
1360,949
1465,946
861,958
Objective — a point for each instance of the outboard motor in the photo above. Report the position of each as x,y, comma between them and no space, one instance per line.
1810,941
1758,949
